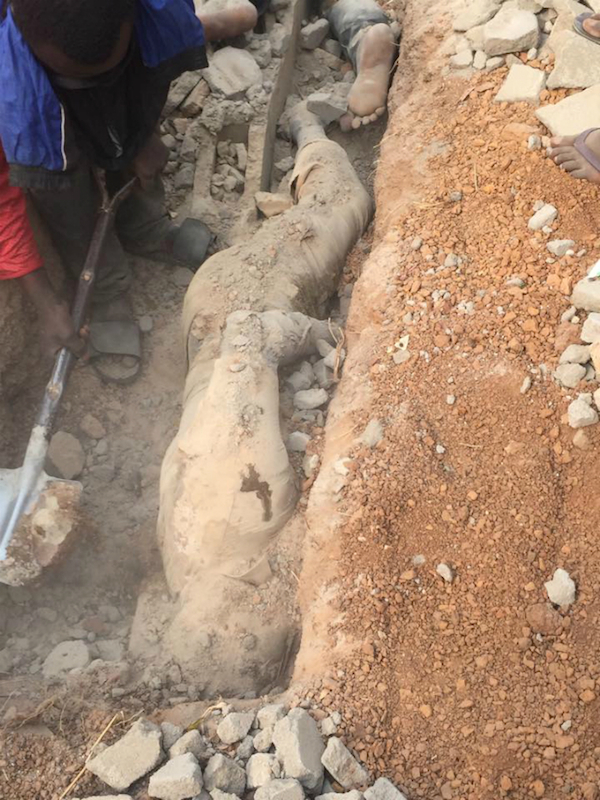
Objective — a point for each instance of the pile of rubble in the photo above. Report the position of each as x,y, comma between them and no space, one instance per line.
270,755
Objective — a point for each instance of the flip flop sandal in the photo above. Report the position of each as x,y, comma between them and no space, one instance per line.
582,148
116,350
578,28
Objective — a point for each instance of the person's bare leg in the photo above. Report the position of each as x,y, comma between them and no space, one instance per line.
226,19
367,98
567,157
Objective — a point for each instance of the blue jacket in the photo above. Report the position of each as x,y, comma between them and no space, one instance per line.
32,119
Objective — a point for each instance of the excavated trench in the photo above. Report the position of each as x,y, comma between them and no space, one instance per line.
235,629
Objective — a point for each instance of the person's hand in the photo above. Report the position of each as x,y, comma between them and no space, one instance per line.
150,161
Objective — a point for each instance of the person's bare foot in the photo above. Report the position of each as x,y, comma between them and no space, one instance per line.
226,19
368,96
565,155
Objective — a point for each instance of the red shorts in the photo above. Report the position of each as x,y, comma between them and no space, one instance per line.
18,252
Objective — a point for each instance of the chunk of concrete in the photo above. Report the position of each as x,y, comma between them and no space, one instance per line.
477,12
577,64
462,60
269,715
129,759
560,247
66,454
561,589
179,779
299,747
383,789
65,657
569,375
310,399
586,295
575,354
590,332
283,789
234,727
232,72
510,31
523,84
171,733
313,34
328,106
342,766
573,114
271,204
352,795
261,769
545,216
191,742
581,414
224,774
279,38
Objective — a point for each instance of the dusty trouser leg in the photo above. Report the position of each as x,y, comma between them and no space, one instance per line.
364,32
142,223
70,216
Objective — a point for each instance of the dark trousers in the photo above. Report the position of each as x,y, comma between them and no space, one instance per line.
70,215
349,19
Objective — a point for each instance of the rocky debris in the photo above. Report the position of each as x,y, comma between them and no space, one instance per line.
560,247
586,295
310,464
261,769
352,795
129,759
330,724
445,572
191,742
334,47
595,356
373,433
110,649
262,50
462,60
299,747
543,618
577,62
234,727
477,13
523,84
92,427
269,715
232,72
224,774
194,103
323,374
180,778
573,114
569,375
561,589
184,178
510,31
342,766
590,331
303,378
279,38
106,797
271,204
284,789
542,217
310,399
65,657
171,734
66,454
383,789
145,323
245,748
313,34
581,414
297,441
581,440
180,89
328,106
263,740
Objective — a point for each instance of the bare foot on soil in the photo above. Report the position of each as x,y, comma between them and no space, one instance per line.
565,155
367,98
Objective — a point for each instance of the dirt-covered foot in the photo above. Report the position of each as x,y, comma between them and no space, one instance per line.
226,19
591,25
368,96
305,127
583,161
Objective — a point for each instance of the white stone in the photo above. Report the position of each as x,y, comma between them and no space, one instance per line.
328,106
586,295
354,794
445,572
475,37
261,769
480,60
559,247
590,332
510,32
581,414
323,374
298,441
310,399
577,64
179,779
313,34
573,114
575,354
129,759
329,727
191,742
462,60
373,433
383,789
302,378
569,375
477,12
310,465
66,454
523,84
268,716
547,214
234,727
561,589
342,766
171,733
285,789
232,72
224,774
494,63
65,657
263,740
299,747
279,37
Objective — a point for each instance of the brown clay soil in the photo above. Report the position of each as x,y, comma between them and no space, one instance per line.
471,689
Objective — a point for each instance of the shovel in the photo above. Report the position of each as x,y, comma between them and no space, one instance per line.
21,488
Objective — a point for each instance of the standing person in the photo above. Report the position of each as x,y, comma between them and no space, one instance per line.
82,85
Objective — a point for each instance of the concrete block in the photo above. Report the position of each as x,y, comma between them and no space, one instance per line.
133,756
573,114
523,84
299,747
342,766
179,779
510,32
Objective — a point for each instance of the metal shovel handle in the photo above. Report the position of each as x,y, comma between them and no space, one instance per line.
37,447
